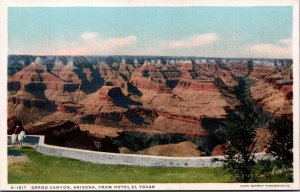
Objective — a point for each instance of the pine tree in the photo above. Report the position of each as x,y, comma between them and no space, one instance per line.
281,145
239,156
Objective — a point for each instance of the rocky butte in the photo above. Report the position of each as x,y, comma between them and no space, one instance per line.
170,106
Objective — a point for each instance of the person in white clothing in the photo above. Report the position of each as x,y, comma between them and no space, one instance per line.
21,137
14,138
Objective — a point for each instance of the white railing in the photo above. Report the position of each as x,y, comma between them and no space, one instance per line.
122,159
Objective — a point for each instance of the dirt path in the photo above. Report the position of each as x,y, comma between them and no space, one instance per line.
15,156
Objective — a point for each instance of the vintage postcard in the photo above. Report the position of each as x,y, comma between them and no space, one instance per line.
149,95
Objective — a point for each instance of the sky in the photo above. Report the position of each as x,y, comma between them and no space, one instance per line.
261,32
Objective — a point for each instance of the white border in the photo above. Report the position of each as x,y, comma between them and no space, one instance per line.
4,4
3,90
296,103
139,3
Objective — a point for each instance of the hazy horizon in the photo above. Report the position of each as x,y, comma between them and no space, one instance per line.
163,56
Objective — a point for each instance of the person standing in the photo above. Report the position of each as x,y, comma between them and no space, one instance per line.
14,138
17,129
21,137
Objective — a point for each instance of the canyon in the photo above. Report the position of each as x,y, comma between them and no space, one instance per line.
171,106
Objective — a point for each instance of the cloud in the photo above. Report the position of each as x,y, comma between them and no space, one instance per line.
286,42
91,43
209,44
118,42
199,40
89,36
282,49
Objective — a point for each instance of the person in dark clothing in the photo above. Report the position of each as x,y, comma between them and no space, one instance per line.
17,130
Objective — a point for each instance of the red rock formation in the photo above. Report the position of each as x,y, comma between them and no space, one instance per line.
182,110
12,122
184,67
176,97
168,123
219,150
224,73
197,85
288,91
238,69
146,83
58,65
101,101
67,74
262,138
272,100
111,76
286,88
68,107
35,74
35,86
87,73
262,71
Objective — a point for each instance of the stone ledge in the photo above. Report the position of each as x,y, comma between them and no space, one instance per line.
122,159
